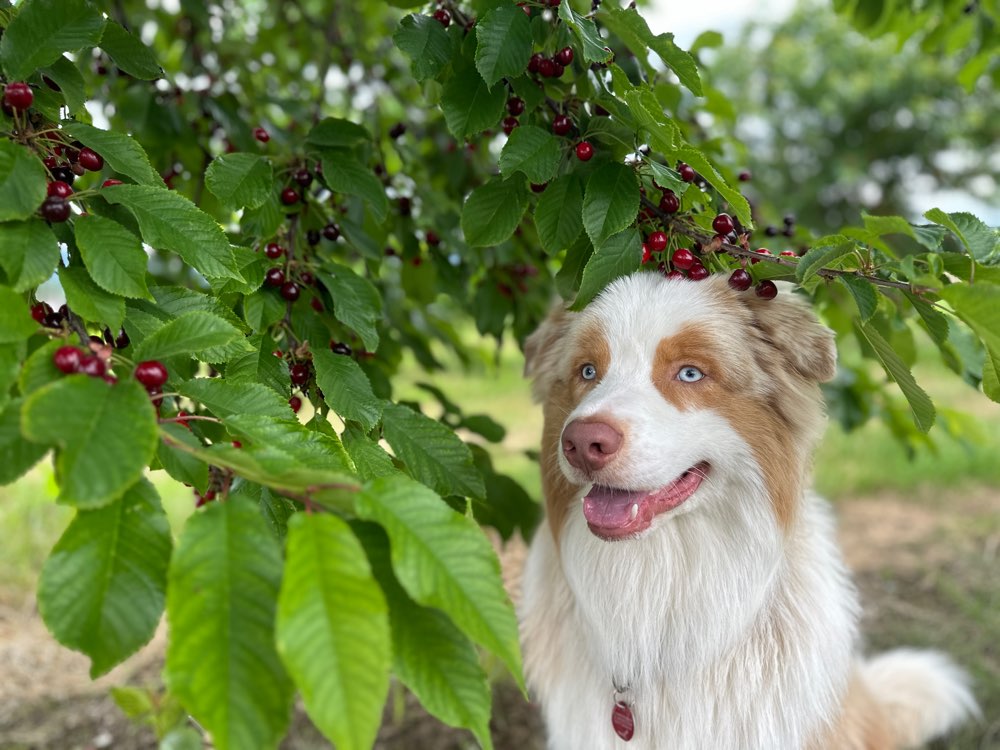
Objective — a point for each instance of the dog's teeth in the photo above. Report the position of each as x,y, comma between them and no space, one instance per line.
635,510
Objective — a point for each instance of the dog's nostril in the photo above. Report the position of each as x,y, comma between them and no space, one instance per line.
590,445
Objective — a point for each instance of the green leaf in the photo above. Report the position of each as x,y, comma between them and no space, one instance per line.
492,211
129,53
113,255
369,457
333,132
559,213
619,256
423,40
681,62
920,403
22,181
504,43
183,738
664,134
864,295
980,240
68,78
180,465
169,221
571,273
260,366
346,388
43,29
197,334
11,357
532,151
89,301
611,201
122,153
632,29
882,225
820,256
333,630
737,203
240,180
356,302
224,399
103,587
592,47
17,454
433,453
39,369
469,105
16,323
443,560
221,604
431,656
343,173
29,253
667,178
295,444
991,380
979,306
107,435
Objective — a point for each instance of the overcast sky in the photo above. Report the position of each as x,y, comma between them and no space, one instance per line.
688,19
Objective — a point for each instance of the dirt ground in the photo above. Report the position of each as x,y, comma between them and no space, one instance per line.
926,567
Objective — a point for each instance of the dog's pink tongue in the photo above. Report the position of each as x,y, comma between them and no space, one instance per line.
608,508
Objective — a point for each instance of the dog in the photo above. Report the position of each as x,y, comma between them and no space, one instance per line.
685,590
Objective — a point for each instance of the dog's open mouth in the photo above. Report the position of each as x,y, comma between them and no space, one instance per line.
614,513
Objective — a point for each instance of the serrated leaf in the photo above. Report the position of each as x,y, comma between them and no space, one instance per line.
68,78
864,295
632,29
169,221
29,253
260,366
22,181
17,455
980,240
89,301
368,456
180,465
619,255
39,369
592,47
934,321
468,104
664,135
432,453
423,40
43,29
678,60
224,399
979,306
559,213
737,203
221,604
882,225
666,178
16,323
113,255
122,153
129,53
611,201
240,180
443,560
334,132
504,43
102,589
533,151
333,630
431,656
102,452
201,335
821,255
294,443
921,407
343,173
492,211
346,388
356,302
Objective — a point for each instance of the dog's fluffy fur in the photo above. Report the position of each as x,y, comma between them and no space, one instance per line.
730,620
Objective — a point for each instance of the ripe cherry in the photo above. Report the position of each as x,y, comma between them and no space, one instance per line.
534,63
546,68
59,189
274,277
740,280
443,17
766,289
565,56
290,291
273,250
90,160
289,196
509,123
92,365
686,171
55,210
745,176
698,272
561,125
683,258
557,68
675,274
723,224
584,151
18,95
515,106
669,202
312,237
647,254
789,254
39,311
341,348
331,232
432,238
303,177
67,359
306,278
657,241
151,373
299,373
397,130
111,183
296,403
759,251
63,174
317,304
261,135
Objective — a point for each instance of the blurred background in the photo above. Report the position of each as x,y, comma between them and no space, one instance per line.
832,123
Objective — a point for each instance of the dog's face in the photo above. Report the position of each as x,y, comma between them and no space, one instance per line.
665,397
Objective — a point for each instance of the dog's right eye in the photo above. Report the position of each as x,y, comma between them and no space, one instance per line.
588,372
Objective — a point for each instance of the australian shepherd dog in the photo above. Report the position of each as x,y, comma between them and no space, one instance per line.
685,591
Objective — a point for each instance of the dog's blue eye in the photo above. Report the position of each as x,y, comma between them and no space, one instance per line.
690,374
589,372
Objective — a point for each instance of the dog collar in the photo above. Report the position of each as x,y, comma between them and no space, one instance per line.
622,720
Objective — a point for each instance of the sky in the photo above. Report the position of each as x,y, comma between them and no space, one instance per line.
688,19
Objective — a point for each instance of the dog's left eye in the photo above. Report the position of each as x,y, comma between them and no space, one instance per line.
690,374
588,372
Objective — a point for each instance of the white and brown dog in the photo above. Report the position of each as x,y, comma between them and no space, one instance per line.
685,591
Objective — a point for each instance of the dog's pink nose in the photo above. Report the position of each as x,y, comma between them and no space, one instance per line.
588,446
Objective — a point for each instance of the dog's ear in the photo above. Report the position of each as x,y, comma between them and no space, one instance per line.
542,352
791,325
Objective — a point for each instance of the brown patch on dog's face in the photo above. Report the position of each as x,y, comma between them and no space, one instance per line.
733,388
590,346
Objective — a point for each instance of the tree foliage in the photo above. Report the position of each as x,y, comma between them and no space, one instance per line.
278,203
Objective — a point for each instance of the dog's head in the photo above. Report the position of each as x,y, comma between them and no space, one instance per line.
666,396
